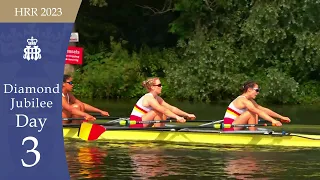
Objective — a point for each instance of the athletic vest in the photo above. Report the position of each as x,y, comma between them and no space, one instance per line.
139,110
233,112
67,98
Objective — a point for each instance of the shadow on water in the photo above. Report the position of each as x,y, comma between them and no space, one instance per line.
101,160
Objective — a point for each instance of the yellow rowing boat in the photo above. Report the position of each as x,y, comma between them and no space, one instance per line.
205,137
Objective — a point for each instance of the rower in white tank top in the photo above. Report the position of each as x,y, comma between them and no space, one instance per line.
139,110
233,112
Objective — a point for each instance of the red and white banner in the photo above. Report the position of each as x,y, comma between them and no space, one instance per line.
74,55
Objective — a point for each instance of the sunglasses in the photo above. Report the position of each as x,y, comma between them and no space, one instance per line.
70,82
159,85
256,89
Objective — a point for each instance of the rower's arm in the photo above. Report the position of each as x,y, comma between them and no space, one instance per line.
172,108
74,99
162,109
252,108
90,108
268,111
72,110
87,107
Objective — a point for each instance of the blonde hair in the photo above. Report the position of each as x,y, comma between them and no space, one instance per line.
149,82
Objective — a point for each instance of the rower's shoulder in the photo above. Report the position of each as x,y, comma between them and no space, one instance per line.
241,101
145,97
149,97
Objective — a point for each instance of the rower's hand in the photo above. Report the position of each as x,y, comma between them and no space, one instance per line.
191,116
90,118
180,119
285,119
104,113
277,123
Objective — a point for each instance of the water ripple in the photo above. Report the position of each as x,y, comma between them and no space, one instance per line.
99,160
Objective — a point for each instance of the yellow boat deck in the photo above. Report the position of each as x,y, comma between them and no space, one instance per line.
204,137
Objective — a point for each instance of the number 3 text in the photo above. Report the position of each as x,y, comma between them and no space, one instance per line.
35,152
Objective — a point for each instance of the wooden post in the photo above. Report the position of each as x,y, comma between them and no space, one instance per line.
70,68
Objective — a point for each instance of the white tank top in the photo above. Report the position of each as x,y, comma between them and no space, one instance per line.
67,97
233,112
139,110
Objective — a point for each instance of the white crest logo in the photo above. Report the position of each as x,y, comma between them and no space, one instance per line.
32,51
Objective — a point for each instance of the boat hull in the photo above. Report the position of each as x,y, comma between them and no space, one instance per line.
203,137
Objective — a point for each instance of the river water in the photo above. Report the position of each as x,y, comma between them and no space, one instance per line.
102,160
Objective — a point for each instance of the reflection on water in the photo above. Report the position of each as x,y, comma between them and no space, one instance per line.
149,163
103,160
86,161
242,168
247,165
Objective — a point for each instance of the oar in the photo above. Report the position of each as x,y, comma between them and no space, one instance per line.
127,122
133,122
220,121
241,125
90,131
212,122
216,126
308,136
100,117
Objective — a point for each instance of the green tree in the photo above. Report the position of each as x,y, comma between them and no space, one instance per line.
203,50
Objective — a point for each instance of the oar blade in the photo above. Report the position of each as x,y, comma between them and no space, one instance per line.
90,132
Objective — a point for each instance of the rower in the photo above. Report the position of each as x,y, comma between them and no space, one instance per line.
244,109
152,107
73,107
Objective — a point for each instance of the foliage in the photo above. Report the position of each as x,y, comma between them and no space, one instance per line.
220,45
114,73
309,92
277,87
207,70
232,41
99,3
